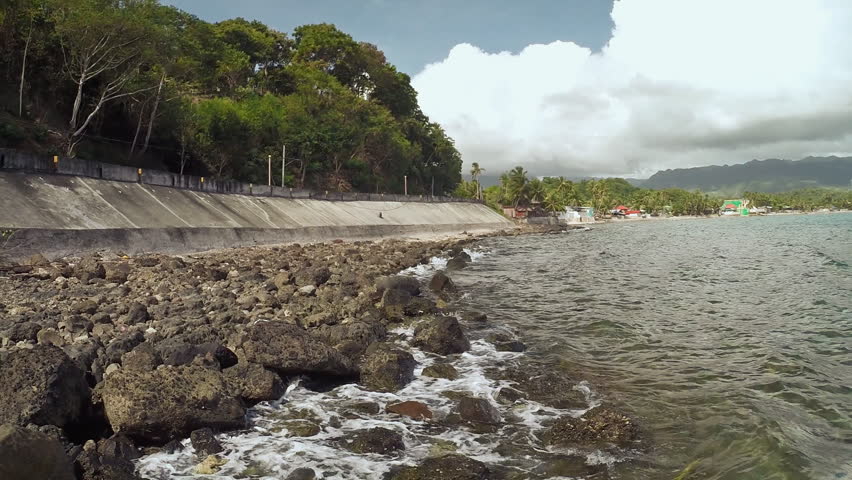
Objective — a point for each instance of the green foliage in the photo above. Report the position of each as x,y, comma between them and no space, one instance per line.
221,98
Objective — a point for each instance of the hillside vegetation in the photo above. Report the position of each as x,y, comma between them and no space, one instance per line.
770,176
136,82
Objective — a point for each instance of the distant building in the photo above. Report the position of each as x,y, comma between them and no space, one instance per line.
577,215
734,207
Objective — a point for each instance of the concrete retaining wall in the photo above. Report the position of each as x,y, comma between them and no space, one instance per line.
60,215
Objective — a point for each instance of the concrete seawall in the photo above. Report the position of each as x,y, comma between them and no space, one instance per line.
63,215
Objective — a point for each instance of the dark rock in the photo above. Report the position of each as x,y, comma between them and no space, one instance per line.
23,331
547,386
442,284
415,410
398,282
204,442
117,272
118,446
170,402
474,317
478,410
448,467
598,427
123,344
508,395
504,342
91,465
89,268
367,408
441,370
375,440
282,280
289,350
173,446
37,260
30,455
464,256
352,338
394,302
42,386
302,474
456,264
143,358
253,383
441,335
137,313
386,369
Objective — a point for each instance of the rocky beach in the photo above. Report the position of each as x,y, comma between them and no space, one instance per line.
331,360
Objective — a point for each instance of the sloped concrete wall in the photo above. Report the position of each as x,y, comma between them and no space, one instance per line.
63,215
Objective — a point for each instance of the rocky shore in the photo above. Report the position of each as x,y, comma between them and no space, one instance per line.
105,359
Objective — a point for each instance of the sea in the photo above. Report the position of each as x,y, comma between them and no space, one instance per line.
728,340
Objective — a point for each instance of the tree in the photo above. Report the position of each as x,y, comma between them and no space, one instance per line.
475,172
516,183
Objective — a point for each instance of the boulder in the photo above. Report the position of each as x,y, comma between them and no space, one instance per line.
37,260
386,369
204,442
456,263
253,383
398,282
170,402
91,465
441,370
137,313
180,350
89,268
441,284
43,386
447,467
504,342
546,386
88,307
597,428
375,440
117,272
289,350
415,410
302,474
118,446
394,303
143,358
478,410
474,317
352,338
30,455
22,332
441,335
312,276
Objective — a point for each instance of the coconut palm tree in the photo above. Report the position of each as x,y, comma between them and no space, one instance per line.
475,172
517,185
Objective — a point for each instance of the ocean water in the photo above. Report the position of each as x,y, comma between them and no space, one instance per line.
729,340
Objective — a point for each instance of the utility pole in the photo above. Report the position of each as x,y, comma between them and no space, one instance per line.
270,170
283,162
405,178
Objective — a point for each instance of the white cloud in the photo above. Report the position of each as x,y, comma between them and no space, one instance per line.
681,83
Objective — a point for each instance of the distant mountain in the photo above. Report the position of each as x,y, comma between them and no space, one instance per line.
758,176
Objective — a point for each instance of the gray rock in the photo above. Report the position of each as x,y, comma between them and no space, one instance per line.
375,440
441,370
599,427
447,467
302,474
442,284
204,442
253,383
398,282
386,369
478,410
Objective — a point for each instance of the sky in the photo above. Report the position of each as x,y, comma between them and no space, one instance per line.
601,88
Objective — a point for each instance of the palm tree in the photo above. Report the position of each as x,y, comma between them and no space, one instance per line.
475,172
516,185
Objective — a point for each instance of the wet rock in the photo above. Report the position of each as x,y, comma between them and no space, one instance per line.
302,474
352,338
546,385
456,263
367,408
386,369
375,440
474,317
509,395
478,410
398,282
504,342
170,402
253,383
415,410
448,467
42,386
464,256
442,284
302,428
288,350
441,335
570,466
118,446
30,455
441,370
91,465
598,427
204,442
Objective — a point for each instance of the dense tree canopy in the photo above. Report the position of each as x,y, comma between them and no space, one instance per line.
555,193
146,83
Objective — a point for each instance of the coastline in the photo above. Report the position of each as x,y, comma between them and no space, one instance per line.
144,342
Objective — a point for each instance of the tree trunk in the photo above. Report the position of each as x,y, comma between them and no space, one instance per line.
23,72
153,114
182,152
136,135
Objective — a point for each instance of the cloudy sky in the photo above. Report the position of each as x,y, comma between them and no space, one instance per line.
591,87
